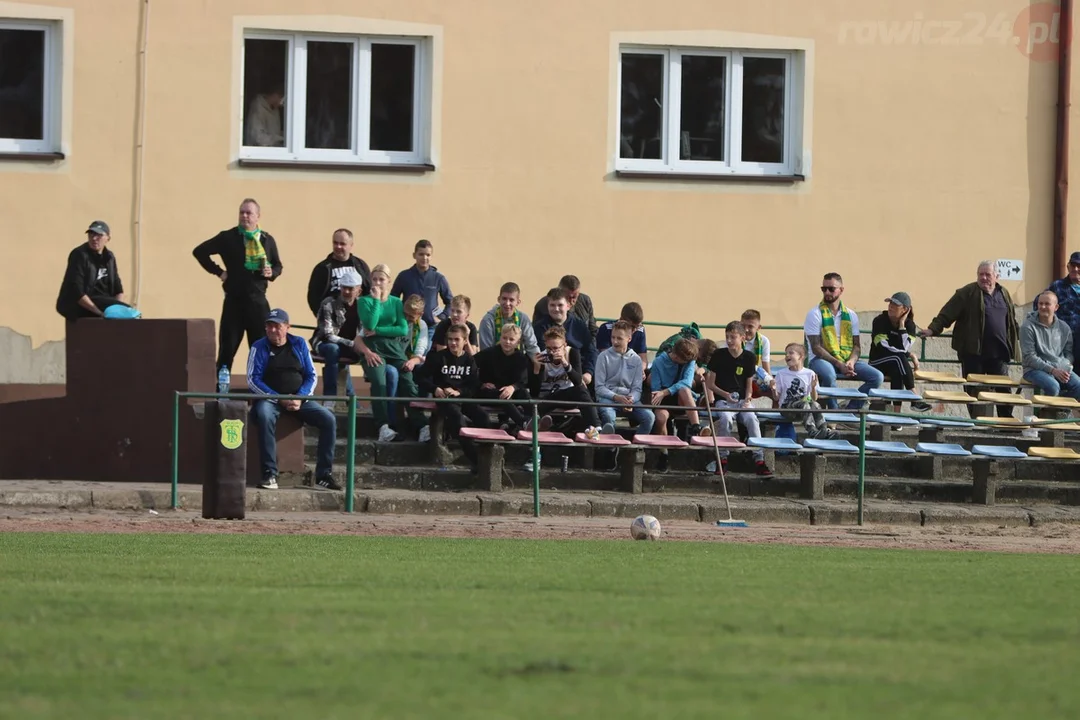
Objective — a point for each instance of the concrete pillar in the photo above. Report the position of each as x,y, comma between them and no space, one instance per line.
812,467
984,491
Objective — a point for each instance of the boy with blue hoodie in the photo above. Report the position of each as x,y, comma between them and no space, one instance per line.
671,377
425,280
618,380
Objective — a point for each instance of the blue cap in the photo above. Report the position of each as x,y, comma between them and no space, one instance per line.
1074,259
279,316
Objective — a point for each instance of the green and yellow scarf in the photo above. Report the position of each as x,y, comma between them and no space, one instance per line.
254,253
759,348
499,323
839,347
414,336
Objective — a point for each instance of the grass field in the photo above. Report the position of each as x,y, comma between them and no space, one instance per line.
130,626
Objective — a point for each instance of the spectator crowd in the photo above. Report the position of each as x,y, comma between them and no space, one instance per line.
414,338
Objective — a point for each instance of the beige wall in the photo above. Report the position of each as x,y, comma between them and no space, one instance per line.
925,160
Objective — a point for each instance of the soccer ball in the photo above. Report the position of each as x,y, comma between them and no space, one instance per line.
645,527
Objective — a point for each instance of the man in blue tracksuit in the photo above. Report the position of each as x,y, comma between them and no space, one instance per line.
280,364
425,280
1067,290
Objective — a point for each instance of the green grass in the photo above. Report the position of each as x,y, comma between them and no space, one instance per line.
128,626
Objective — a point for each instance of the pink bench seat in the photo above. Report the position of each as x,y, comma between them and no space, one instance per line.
727,443
661,441
546,438
603,440
422,405
486,434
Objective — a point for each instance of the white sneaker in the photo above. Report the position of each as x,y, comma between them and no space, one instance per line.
607,429
425,434
269,483
386,434
529,463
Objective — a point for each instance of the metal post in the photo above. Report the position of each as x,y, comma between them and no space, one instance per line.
536,459
862,460
174,499
350,463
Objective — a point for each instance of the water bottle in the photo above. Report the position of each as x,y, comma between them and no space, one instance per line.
223,379
734,397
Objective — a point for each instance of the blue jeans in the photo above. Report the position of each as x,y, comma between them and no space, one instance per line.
641,416
1050,385
266,414
826,373
331,354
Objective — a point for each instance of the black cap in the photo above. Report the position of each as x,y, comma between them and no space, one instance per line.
277,315
1074,259
100,227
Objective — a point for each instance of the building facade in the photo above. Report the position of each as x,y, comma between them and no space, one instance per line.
697,156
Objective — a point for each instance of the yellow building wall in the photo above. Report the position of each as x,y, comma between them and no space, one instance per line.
925,160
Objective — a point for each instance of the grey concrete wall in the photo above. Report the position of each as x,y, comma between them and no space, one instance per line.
21,363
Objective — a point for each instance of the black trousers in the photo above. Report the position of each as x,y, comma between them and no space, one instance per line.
240,314
577,393
898,370
513,412
453,418
985,366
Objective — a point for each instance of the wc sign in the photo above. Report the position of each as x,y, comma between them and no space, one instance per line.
1010,269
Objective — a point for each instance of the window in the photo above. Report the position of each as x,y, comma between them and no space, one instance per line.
334,99
698,111
27,89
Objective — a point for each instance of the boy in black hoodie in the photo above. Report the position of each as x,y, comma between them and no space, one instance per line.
504,374
451,373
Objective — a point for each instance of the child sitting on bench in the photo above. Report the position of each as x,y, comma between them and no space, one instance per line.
795,388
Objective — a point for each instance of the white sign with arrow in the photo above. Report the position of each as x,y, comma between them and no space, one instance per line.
1010,269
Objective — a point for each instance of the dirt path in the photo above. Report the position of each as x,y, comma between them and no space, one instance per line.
1048,538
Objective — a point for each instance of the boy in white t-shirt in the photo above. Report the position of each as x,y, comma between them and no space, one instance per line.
795,388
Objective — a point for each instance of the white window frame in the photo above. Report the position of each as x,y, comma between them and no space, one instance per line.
50,115
669,161
360,120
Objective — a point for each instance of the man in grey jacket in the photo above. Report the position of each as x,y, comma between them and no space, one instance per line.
1047,347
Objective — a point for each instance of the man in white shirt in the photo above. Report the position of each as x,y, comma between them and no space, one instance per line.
262,124
832,332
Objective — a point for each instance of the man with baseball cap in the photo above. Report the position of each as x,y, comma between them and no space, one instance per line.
338,334
1067,290
91,283
280,364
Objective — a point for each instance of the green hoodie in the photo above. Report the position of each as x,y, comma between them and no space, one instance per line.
387,319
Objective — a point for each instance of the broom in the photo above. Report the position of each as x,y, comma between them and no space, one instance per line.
730,522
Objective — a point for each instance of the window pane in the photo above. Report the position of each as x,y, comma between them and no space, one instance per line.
329,95
642,106
393,72
266,63
22,84
763,110
702,121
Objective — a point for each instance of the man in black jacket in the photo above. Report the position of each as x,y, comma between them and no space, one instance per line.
251,261
326,276
91,282
581,305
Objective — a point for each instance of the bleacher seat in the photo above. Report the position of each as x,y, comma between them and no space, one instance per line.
841,446
942,449
894,395
893,448
774,443
999,452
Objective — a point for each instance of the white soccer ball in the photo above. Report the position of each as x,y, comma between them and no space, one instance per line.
645,527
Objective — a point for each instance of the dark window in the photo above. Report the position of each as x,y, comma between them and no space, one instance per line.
329,95
266,64
393,72
642,103
22,84
763,110
704,94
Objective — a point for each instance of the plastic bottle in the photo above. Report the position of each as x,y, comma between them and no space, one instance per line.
223,379
734,397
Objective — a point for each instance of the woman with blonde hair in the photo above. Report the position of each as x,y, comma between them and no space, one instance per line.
384,323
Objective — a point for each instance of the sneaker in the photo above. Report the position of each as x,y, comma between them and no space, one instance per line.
330,405
545,424
705,431
327,482
269,483
829,434
529,463
425,434
762,470
386,434
921,407
711,467
607,429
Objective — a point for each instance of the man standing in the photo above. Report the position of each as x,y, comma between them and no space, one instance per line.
986,336
91,282
832,331
280,364
251,261
1067,290
326,276
581,305
1046,343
